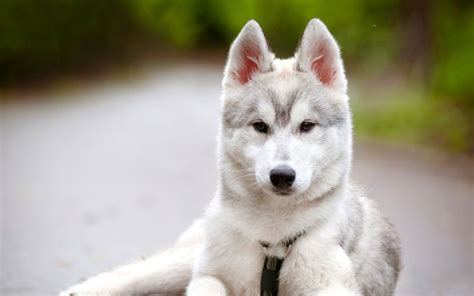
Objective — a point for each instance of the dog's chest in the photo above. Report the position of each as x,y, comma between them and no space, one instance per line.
241,270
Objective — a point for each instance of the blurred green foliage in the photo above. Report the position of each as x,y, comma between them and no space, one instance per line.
453,60
410,116
430,42
52,35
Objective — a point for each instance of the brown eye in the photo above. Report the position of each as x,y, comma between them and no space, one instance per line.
260,127
306,126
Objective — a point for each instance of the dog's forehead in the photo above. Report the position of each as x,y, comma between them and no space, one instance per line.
283,84
283,78
280,82
277,92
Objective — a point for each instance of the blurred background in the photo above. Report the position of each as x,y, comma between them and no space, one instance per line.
110,110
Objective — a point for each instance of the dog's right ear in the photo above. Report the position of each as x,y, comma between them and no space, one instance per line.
248,55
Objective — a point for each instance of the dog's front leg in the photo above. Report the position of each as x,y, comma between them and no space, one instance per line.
202,285
318,267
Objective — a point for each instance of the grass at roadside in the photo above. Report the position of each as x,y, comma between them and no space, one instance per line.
413,117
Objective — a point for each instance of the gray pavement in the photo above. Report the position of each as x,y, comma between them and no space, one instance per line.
97,177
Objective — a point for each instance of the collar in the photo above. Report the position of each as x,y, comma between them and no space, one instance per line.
285,242
273,262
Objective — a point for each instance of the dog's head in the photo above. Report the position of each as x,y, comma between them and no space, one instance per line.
286,125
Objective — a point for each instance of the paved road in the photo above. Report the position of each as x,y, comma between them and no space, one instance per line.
96,178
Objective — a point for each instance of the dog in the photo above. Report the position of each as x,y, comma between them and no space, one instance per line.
284,193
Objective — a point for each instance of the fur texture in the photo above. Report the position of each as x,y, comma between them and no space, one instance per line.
348,248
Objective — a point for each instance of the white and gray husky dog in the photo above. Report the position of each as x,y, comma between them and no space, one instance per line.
284,155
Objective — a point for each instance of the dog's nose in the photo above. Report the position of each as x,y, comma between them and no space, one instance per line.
282,176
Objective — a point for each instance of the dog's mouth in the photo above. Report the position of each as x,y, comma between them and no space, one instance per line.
282,192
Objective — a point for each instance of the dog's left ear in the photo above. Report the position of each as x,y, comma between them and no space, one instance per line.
319,54
248,55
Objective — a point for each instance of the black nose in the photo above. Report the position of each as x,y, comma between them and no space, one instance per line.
282,176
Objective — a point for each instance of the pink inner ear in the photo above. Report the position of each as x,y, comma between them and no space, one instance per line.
321,64
248,64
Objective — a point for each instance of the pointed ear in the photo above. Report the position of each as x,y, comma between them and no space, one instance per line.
319,54
248,55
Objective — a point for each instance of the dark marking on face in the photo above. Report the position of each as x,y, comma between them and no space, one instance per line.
282,107
329,112
229,113
237,113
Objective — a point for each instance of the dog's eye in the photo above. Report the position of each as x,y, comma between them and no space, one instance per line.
306,126
260,127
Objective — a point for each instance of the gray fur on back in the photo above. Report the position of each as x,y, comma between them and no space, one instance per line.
373,245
